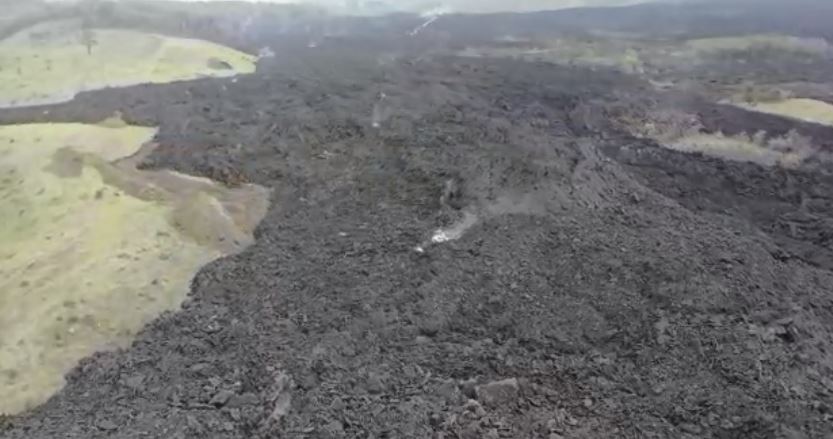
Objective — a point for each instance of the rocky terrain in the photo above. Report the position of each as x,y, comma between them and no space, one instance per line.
592,282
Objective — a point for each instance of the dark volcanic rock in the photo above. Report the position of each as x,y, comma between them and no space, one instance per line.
560,282
498,393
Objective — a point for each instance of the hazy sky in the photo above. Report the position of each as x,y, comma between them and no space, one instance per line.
449,5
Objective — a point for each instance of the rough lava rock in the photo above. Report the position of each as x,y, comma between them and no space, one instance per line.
498,393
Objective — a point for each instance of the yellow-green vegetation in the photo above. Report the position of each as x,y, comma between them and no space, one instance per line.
816,46
808,110
53,62
682,131
727,147
622,55
91,248
640,56
788,151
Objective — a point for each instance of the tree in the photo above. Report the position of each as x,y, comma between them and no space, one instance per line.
88,38
89,9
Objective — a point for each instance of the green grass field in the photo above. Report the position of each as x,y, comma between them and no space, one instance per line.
808,110
91,249
51,62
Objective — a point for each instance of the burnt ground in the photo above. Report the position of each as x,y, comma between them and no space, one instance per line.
613,289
